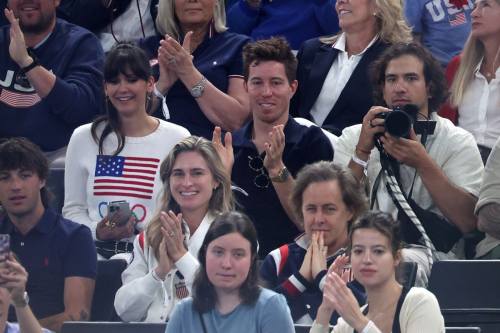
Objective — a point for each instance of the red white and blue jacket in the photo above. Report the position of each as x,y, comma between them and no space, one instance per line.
280,271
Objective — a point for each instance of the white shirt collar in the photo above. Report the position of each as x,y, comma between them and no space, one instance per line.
341,42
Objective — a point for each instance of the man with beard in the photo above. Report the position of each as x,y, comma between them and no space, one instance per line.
50,76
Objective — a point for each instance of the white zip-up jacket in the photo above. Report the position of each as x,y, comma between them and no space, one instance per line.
142,297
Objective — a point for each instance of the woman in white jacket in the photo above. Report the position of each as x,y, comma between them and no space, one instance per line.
196,187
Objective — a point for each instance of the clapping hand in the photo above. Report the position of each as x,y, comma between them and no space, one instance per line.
337,296
225,151
173,235
273,161
17,47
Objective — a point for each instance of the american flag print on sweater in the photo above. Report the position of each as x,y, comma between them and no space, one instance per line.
125,176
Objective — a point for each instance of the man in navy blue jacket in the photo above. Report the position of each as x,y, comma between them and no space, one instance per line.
50,76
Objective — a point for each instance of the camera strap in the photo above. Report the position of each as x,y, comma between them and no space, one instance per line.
399,198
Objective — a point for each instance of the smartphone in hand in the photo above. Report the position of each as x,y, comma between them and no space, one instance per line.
4,247
115,207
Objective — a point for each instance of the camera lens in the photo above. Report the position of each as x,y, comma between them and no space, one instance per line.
397,123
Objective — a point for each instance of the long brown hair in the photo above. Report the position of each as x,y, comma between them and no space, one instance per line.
222,197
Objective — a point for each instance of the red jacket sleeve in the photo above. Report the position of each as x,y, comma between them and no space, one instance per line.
446,110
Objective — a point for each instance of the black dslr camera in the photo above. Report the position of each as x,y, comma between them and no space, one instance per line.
398,122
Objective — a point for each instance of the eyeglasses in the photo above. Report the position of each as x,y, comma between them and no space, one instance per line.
21,78
257,164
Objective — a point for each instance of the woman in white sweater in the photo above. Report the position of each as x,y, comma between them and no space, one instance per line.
196,189
375,247
117,157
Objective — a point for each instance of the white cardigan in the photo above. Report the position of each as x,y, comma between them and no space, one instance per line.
142,297
420,312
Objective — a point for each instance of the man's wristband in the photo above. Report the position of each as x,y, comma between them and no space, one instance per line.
359,161
367,327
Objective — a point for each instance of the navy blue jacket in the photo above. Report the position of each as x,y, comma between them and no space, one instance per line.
280,271
315,59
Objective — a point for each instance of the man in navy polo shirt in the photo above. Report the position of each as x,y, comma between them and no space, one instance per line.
273,147
58,254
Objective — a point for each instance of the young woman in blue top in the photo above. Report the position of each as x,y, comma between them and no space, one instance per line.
227,296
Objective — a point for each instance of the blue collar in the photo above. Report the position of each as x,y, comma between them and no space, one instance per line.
44,226
243,136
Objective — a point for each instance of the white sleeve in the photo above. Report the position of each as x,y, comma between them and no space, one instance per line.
346,145
139,288
188,265
75,181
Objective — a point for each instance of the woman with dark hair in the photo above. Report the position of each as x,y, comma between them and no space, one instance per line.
326,200
227,296
196,188
117,157
198,67
375,243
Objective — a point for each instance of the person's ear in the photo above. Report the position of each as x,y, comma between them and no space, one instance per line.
398,258
430,89
245,86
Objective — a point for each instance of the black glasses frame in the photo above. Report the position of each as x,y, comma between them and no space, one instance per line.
261,180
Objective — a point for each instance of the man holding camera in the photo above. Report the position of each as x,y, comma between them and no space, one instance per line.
439,181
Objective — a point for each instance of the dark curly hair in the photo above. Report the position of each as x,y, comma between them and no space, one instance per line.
433,74
21,153
273,49
204,295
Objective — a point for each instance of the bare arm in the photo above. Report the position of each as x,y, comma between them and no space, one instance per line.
489,219
78,292
456,204
229,111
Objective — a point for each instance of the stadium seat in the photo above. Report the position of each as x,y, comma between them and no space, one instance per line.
410,274
468,293
55,182
109,280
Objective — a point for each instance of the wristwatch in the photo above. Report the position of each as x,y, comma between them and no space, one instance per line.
23,302
31,66
282,176
198,90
